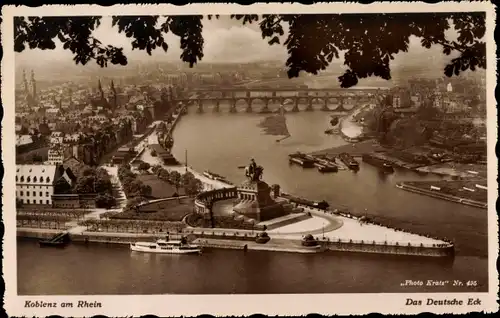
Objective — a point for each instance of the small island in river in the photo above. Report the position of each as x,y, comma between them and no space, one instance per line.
275,125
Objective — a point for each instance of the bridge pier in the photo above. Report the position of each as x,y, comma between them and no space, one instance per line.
324,107
309,107
200,107
232,109
249,106
295,108
217,107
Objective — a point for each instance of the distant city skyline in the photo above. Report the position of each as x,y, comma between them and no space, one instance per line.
226,41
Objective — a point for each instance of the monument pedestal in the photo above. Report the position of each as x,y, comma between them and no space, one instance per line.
255,202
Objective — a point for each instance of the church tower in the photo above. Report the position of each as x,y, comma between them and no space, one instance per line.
25,84
100,91
33,86
114,97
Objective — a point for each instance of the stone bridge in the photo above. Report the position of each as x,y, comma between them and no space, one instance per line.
293,100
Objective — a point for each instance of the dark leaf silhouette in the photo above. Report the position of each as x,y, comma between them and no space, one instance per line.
368,42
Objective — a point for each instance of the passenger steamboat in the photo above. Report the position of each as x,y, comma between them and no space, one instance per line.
166,247
214,176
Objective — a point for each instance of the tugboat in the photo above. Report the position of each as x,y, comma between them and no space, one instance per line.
166,247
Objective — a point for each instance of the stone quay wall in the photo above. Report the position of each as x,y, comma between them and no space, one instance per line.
377,248
435,250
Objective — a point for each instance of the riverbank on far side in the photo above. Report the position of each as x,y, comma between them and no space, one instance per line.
426,188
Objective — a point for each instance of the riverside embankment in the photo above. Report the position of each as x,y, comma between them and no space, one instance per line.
436,194
242,239
333,230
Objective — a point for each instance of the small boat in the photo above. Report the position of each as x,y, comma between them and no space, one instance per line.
48,243
214,176
166,247
60,240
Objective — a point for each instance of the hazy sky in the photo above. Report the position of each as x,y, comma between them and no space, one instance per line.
226,40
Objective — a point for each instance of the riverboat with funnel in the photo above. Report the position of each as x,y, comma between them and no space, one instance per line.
214,176
166,247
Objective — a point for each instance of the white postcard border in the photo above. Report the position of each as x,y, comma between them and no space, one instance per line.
275,304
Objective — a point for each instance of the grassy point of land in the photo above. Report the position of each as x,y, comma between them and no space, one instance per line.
159,188
355,149
169,212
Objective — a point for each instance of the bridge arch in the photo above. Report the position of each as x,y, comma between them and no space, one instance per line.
290,104
259,104
317,100
241,104
335,102
350,102
303,103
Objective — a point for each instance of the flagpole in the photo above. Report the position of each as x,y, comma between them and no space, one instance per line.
186,154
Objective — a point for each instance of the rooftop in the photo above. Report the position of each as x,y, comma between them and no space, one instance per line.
39,174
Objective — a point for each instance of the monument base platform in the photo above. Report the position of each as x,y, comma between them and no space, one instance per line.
285,220
252,209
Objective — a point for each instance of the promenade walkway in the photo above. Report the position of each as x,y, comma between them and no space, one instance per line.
209,184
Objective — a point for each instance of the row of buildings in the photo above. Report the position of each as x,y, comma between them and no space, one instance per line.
448,101
91,124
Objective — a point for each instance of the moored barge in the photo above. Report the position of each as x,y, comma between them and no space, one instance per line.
301,159
349,161
378,162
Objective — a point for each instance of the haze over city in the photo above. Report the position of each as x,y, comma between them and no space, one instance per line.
226,41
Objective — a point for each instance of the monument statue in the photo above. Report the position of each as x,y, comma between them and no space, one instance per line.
254,172
254,196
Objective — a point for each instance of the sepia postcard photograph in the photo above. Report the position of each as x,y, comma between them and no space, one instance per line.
222,159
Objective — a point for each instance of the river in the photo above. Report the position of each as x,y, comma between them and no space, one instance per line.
222,142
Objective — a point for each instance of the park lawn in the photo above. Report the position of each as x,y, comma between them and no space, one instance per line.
159,188
170,213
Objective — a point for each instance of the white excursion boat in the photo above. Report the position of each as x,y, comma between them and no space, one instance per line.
166,247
